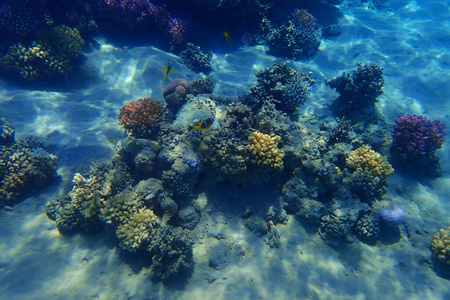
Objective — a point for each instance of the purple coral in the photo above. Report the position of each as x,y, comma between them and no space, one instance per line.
418,136
138,14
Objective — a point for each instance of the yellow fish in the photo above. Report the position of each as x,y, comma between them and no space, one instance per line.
169,69
227,36
204,124
112,140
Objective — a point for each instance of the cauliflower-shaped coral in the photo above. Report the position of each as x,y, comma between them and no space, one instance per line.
141,117
283,86
357,90
66,41
264,152
417,136
369,171
87,194
196,59
440,245
23,167
135,231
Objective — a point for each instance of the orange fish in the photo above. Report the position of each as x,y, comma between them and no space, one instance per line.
204,124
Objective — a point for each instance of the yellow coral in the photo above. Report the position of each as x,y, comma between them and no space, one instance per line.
440,245
365,159
264,151
136,230
86,195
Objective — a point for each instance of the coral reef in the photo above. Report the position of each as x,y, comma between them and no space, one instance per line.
52,55
175,93
358,90
24,167
367,228
196,59
296,39
17,19
103,197
140,118
264,152
7,133
440,246
282,86
416,136
204,85
369,171
415,140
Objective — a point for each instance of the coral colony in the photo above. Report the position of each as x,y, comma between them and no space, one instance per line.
327,170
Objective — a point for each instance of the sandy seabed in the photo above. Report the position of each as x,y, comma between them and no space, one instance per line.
408,39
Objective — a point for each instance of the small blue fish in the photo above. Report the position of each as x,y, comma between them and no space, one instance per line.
204,124
168,69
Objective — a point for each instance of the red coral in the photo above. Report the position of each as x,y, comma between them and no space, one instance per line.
141,117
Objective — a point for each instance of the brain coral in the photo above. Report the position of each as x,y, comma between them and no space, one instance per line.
440,245
369,171
264,152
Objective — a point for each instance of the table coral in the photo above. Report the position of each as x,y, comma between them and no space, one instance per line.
264,152
369,171
141,117
440,246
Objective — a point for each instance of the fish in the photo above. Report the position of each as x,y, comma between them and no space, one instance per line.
227,36
168,69
111,140
206,124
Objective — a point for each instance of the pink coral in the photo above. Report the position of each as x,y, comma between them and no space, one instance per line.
141,117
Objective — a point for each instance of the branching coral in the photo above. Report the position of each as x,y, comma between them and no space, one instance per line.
369,171
297,39
283,86
357,90
196,59
141,117
440,246
264,152
52,55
